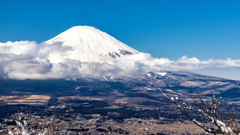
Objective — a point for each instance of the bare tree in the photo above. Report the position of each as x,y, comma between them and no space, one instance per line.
206,113
26,124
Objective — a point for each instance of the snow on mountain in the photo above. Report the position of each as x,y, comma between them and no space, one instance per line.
86,44
84,51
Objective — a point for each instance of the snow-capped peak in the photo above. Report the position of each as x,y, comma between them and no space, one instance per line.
86,43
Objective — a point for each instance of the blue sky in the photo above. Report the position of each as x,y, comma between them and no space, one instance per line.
165,29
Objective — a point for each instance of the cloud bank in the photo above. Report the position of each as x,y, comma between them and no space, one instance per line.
29,60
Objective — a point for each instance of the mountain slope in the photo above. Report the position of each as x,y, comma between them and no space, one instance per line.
85,43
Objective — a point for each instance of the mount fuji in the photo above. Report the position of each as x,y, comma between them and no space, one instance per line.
86,52
86,44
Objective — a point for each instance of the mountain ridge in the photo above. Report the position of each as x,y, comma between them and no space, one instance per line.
86,43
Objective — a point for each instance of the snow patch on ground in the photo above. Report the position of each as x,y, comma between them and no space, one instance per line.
149,74
192,83
161,73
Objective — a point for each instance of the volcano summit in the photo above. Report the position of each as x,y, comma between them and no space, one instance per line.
86,52
85,43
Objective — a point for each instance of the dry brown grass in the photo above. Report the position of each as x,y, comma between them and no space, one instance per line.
77,97
26,99
175,127
121,101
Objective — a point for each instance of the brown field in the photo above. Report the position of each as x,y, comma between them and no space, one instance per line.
38,99
176,127
77,97
27,99
121,101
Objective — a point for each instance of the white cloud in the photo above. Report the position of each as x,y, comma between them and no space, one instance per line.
29,60
20,47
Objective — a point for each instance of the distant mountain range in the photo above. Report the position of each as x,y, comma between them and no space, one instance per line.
153,88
